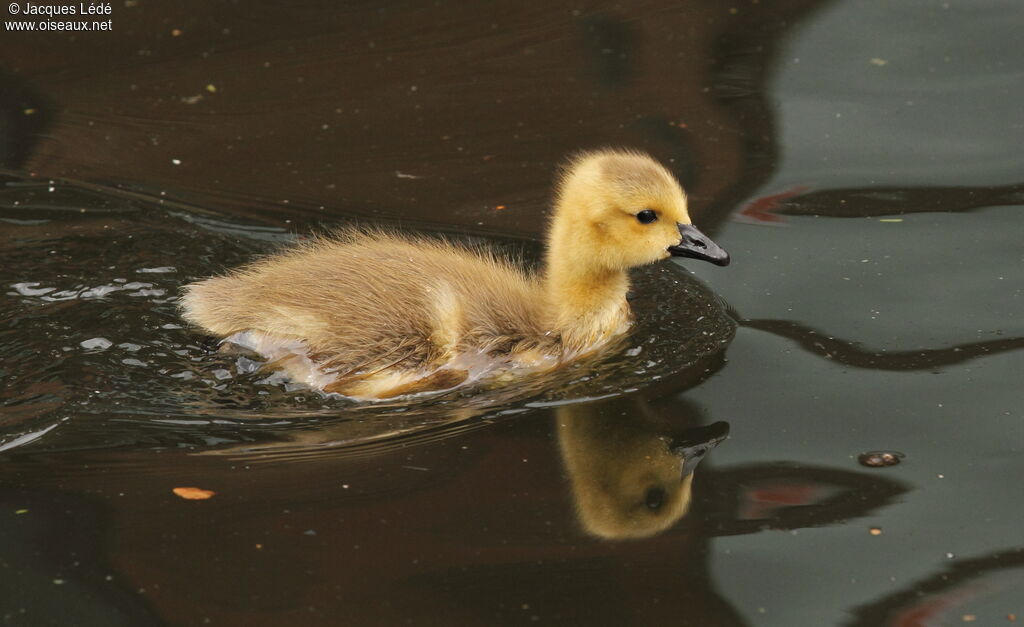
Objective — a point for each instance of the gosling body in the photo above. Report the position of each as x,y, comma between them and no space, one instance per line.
374,314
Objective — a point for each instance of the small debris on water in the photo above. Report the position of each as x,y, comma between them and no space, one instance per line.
193,494
875,531
880,459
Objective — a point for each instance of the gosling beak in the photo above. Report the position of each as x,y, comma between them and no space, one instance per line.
695,444
693,243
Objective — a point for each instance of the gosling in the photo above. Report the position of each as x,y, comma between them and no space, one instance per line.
372,314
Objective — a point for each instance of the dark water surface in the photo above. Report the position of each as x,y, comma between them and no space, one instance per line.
862,162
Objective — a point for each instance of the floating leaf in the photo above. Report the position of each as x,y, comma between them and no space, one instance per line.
193,493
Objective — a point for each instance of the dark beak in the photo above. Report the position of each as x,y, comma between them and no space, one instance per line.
695,244
695,444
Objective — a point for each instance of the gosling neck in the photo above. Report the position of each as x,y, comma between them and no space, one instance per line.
587,302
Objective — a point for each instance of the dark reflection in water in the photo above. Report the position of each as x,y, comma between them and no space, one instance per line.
888,201
24,118
56,540
850,353
786,495
368,110
982,588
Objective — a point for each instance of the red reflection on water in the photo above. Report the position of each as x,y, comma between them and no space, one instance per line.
765,501
763,209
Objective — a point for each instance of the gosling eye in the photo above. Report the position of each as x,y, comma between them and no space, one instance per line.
654,498
647,216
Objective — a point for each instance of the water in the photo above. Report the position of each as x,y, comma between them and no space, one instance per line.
860,161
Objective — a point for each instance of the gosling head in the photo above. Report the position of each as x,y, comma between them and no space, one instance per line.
627,210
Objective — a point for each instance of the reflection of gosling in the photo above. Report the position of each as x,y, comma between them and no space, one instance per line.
629,479
372,314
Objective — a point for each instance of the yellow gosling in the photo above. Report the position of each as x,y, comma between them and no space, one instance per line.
373,314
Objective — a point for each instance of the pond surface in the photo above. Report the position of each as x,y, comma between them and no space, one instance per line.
861,161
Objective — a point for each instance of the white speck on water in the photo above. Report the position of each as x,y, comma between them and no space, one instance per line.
29,289
96,343
176,161
26,438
